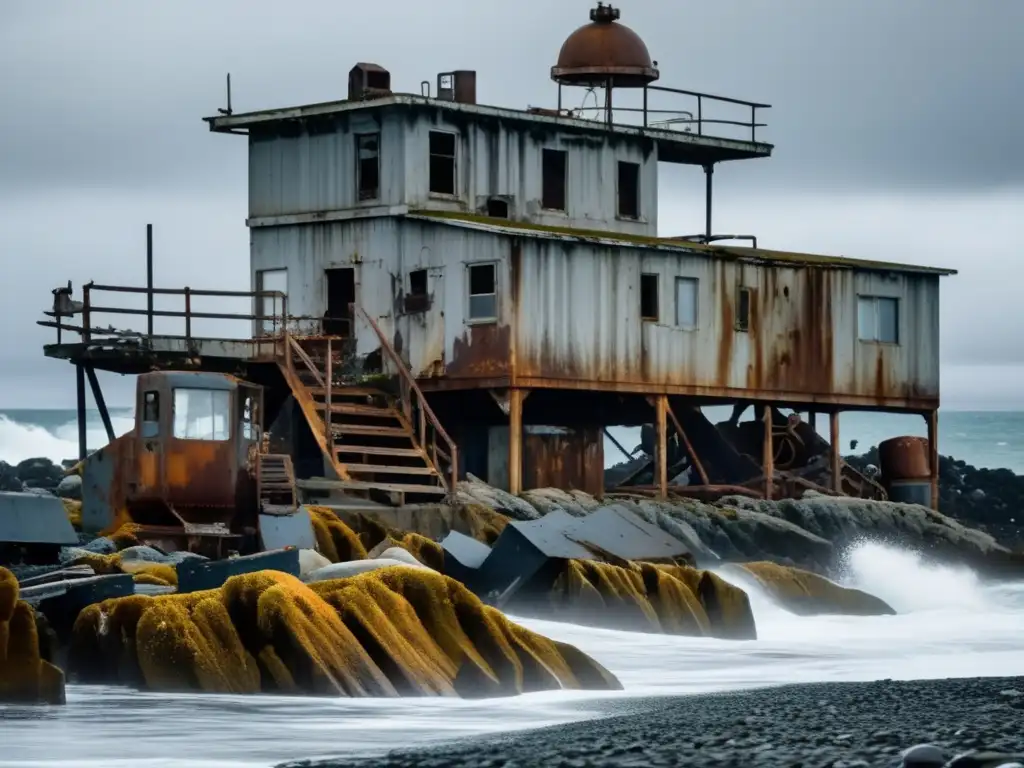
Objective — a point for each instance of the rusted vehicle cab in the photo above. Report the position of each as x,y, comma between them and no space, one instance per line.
186,472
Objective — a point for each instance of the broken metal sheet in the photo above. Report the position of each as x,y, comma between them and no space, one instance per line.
620,532
294,530
31,518
197,575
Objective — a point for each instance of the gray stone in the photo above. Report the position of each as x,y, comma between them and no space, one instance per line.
923,756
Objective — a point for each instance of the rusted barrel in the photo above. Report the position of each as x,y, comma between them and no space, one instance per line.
904,458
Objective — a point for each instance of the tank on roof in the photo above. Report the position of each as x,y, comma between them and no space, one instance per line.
604,51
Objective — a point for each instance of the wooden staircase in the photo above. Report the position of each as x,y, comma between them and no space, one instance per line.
276,484
383,446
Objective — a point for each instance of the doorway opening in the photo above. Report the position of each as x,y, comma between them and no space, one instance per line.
341,297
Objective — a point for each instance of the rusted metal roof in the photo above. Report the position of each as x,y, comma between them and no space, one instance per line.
617,239
603,52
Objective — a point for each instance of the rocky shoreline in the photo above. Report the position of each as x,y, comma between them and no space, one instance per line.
834,725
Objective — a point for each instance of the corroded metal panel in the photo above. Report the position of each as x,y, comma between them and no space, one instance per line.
578,320
556,457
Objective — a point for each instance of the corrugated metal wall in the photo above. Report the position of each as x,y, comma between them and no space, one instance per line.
579,320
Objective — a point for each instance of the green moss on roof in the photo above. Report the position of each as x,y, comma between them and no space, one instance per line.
734,252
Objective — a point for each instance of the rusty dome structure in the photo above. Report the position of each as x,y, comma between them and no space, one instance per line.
604,54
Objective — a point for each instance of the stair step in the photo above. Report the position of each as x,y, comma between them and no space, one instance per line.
375,450
382,469
360,410
346,391
359,485
366,429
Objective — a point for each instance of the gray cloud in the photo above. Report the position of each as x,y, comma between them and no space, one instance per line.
896,128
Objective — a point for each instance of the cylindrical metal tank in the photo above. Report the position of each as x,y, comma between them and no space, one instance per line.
904,458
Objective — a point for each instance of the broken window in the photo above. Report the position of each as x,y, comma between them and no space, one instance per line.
743,310
202,414
629,190
442,163
878,319
497,208
368,165
649,297
483,292
151,406
248,418
553,179
686,302
416,298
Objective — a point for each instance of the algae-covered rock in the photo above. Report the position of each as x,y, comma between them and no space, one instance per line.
73,509
335,540
24,676
672,599
808,594
394,631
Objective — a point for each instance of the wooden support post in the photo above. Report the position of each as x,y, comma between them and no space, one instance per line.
515,440
328,379
834,452
812,419
768,454
661,451
82,427
933,455
689,446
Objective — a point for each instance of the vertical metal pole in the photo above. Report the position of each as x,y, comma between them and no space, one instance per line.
768,454
932,418
101,403
709,171
82,428
645,106
188,317
608,101
149,278
834,454
661,452
515,441
812,418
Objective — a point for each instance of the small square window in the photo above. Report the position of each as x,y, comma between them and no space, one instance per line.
743,310
649,297
629,190
417,298
687,302
483,292
368,165
151,406
554,164
878,319
442,163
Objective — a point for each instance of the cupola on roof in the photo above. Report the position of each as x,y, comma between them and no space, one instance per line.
604,52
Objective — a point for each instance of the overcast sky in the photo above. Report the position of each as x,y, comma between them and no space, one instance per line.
897,125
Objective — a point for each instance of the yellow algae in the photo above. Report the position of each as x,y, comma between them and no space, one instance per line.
126,536
73,509
805,593
478,521
427,551
678,609
162,572
25,677
335,540
397,630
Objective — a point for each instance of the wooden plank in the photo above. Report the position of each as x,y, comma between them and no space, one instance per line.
376,450
359,485
353,409
389,470
366,429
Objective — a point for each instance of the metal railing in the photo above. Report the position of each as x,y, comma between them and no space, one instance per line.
700,114
419,413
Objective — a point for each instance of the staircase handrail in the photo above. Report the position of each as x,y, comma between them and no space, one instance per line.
425,409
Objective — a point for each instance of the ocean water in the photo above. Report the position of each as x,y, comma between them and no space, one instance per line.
949,624
983,438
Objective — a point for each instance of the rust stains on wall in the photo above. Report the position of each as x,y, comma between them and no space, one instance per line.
564,458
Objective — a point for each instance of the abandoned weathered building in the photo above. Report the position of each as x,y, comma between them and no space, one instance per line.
504,267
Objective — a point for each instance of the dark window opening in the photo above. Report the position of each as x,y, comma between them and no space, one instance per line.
151,406
417,298
248,418
368,165
442,163
341,297
497,208
553,179
483,292
629,190
743,311
649,297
